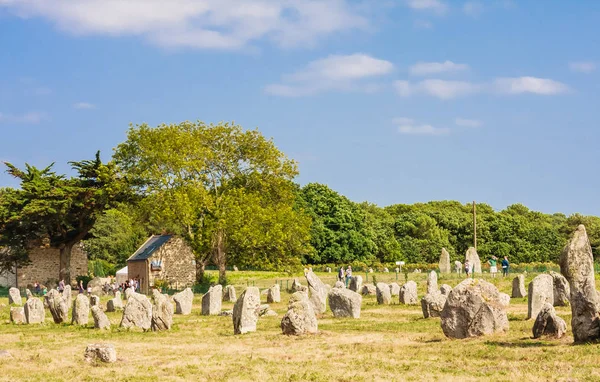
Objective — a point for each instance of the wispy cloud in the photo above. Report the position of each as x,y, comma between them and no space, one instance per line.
446,90
428,68
463,122
410,127
473,8
423,24
84,106
332,73
206,24
436,6
582,66
27,118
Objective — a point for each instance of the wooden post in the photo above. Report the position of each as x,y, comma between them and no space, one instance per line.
474,225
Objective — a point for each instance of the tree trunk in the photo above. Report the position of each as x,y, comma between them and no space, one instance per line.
65,263
200,269
219,258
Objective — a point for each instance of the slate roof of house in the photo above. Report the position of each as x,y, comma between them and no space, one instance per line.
149,247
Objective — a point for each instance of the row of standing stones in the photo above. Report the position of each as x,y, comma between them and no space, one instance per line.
473,308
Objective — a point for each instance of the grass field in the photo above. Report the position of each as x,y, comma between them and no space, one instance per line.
388,343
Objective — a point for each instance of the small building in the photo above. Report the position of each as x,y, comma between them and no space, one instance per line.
121,275
165,258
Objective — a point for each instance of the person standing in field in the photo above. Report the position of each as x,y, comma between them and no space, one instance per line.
493,266
467,268
80,286
341,274
348,275
505,266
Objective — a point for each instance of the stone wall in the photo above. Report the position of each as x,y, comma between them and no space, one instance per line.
139,269
45,266
7,279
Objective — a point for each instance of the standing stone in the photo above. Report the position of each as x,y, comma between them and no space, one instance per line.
328,269
66,294
458,267
17,315
340,284
383,294
235,268
356,283
300,317
211,301
128,292
395,289
115,303
547,323
100,352
504,299
34,311
318,293
432,304
229,294
474,260
345,303
540,291
137,312
95,300
445,289
368,289
577,265
28,294
58,306
245,311
432,285
445,262
274,294
183,301
408,293
518,287
297,287
14,297
562,291
81,310
385,270
162,312
100,319
473,309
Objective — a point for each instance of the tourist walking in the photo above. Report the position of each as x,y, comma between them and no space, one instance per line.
81,287
61,285
348,275
467,268
341,274
505,266
493,266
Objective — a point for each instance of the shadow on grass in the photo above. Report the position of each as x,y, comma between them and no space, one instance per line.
523,345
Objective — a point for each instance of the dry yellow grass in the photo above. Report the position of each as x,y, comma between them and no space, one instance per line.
388,343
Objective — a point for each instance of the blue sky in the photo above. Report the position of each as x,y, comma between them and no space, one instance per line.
397,101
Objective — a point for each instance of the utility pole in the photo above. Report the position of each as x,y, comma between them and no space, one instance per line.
474,226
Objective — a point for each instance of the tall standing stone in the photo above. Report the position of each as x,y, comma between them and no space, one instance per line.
318,292
458,267
81,310
408,293
100,319
66,294
58,306
229,294
183,301
14,297
432,284
211,301
577,265
114,303
541,291
297,287
162,312
95,300
300,318
518,287
28,294
384,297
445,262
474,260
137,312
395,289
562,291
344,303
245,311
356,283
273,294
34,311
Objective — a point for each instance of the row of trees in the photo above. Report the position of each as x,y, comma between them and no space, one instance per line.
231,194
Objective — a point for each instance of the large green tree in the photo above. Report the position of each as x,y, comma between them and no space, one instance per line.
56,211
227,190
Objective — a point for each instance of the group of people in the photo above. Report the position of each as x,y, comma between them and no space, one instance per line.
345,275
493,262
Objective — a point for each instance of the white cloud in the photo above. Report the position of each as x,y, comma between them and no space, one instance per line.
473,8
27,118
463,122
428,68
84,105
438,88
410,127
436,6
519,85
582,66
332,73
209,24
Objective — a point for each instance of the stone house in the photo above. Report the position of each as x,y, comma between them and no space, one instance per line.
166,258
45,267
